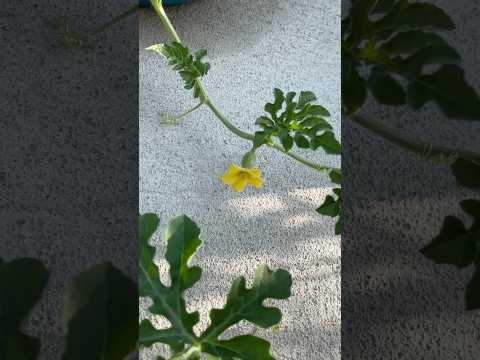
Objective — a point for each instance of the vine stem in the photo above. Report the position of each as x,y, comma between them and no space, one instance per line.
167,24
412,144
128,12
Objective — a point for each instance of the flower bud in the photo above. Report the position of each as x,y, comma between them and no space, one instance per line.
249,160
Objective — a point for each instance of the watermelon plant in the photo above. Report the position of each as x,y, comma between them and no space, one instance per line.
292,120
182,242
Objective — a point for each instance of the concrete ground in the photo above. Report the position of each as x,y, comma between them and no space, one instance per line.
253,47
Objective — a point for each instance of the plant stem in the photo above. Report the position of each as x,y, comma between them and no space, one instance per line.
157,5
189,111
116,19
227,123
412,144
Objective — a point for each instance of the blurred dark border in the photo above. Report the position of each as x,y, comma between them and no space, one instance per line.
68,149
396,302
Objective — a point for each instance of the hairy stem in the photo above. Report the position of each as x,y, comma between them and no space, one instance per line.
412,144
157,5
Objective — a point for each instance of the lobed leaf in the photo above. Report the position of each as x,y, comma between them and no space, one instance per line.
296,120
460,246
332,207
22,283
400,45
101,314
182,237
190,67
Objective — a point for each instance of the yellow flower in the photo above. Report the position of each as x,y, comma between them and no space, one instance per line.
238,177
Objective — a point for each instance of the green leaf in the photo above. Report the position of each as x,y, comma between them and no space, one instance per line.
296,123
467,173
247,304
354,90
472,294
330,207
423,15
472,208
328,143
190,67
182,237
448,88
316,122
316,110
286,140
454,245
240,347
261,137
101,302
301,141
385,88
411,41
22,282
338,227
335,176
383,6
264,122
459,246
305,97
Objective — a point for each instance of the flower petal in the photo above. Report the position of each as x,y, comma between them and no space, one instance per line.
239,185
254,172
229,178
256,181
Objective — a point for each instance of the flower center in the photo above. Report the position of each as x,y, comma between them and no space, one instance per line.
243,175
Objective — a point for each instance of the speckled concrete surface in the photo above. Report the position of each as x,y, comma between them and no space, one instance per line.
252,49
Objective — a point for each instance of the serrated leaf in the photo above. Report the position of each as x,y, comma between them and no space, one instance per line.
386,89
423,15
316,122
22,282
261,137
305,97
454,245
335,176
467,173
264,122
329,207
411,41
332,207
327,142
190,67
301,141
240,347
433,55
316,110
247,304
182,240
455,97
383,6
242,303
472,208
286,140
354,90
101,302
